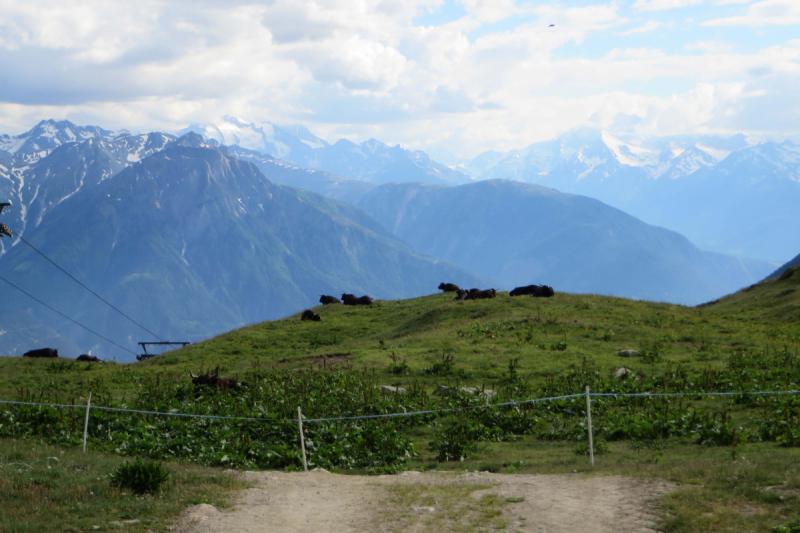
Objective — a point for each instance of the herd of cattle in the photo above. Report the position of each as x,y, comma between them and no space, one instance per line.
50,352
537,291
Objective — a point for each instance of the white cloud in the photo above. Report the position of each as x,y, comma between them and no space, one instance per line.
711,46
660,5
765,13
645,28
361,69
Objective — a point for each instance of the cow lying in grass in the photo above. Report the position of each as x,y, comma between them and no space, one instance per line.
476,294
449,287
213,380
308,314
325,300
88,358
41,352
350,299
537,291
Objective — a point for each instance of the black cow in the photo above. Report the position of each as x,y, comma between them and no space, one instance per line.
308,314
537,291
449,287
481,295
42,352
325,300
213,380
475,294
88,358
349,299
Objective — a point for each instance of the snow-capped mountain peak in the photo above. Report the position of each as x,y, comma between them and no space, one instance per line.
371,160
628,153
48,135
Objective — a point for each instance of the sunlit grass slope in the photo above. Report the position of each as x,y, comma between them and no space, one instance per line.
547,335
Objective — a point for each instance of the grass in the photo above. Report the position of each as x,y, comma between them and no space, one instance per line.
446,508
482,336
755,492
44,488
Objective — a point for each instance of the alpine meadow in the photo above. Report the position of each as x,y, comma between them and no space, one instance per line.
400,266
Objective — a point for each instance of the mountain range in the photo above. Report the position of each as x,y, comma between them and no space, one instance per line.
521,234
733,195
371,160
197,236
729,195
188,238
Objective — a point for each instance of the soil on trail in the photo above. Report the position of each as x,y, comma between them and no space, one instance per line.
318,501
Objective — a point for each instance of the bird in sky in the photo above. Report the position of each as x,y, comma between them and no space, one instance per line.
551,25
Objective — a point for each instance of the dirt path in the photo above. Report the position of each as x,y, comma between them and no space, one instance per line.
320,502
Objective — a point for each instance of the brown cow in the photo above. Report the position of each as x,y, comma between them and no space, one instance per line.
213,380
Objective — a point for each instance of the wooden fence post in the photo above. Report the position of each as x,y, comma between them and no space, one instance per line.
302,438
589,418
86,421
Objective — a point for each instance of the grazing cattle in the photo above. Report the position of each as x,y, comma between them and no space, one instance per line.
308,314
449,287
464,294
42,352
213,380
88,358
349,299
540,291
481,295
325,300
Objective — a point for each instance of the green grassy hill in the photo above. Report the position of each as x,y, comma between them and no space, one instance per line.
482,336
736,458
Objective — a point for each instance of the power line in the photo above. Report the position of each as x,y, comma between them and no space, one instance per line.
68,318
85,287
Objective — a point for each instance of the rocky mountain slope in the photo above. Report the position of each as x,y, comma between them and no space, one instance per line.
793,263
729,195
521,234
191,241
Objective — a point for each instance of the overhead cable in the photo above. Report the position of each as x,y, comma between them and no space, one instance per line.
85,287
68,318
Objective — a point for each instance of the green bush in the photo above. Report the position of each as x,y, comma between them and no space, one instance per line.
600,447
791,527
140,476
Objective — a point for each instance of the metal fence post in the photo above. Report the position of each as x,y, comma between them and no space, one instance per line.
302,438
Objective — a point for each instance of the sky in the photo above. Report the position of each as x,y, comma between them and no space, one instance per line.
451,77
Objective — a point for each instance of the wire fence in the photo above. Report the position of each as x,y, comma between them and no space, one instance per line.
300,420
415,413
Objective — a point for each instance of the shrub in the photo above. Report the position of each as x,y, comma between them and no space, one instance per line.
398,366
791,527
600,447
140,476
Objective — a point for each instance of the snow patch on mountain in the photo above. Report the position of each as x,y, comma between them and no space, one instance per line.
629,154
716,153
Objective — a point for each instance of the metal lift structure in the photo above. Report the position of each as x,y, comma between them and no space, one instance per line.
147,355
